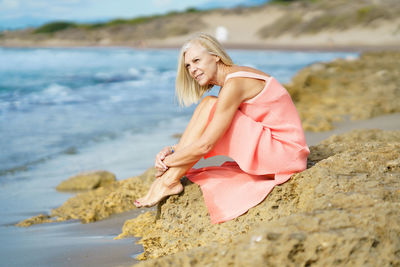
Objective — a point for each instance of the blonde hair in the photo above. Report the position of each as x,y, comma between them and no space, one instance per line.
187,90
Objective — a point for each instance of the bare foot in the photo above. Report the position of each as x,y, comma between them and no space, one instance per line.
138,202
158,191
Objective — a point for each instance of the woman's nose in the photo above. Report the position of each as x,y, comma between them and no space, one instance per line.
192,69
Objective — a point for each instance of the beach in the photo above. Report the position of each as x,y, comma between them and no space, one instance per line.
299,25
73,243
70,242
60,106
101,97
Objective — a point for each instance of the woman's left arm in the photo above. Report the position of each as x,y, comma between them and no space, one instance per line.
229,99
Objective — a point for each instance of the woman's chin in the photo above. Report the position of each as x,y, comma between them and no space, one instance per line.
202,82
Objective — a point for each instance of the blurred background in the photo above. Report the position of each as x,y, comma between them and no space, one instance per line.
336,24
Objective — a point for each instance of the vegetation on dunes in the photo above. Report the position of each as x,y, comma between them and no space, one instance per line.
62,25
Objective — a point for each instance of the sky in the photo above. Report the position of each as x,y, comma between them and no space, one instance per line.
24,13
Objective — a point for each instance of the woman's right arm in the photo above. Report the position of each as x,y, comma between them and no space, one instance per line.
229,101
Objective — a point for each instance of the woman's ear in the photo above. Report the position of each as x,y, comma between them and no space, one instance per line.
217,58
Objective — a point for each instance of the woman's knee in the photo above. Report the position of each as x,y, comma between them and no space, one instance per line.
208,102
205,106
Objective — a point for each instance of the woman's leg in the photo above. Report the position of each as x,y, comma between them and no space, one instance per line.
169,183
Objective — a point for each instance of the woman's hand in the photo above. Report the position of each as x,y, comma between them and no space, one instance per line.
159,164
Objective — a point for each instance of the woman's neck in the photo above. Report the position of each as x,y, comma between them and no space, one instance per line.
220,76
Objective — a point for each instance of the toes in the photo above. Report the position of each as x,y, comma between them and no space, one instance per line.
138,204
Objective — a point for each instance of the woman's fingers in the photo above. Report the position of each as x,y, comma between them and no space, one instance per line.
159,164
162,164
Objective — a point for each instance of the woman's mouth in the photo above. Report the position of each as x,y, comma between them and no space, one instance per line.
198,77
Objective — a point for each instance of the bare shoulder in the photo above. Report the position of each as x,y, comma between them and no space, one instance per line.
235,85
244,86
250,69
246,81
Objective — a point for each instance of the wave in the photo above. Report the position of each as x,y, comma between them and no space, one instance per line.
146,139
28,165
68,151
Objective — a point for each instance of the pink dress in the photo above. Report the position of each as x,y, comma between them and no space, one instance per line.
267,142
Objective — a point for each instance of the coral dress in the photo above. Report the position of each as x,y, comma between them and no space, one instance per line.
267,143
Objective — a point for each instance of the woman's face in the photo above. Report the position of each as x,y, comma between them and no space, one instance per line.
201,65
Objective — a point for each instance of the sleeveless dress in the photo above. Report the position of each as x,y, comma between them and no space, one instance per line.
266,141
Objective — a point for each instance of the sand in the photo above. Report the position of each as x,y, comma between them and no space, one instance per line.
359,26
71,244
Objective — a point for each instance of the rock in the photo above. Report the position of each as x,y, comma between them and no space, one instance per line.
99,203
41,218
362,88
87,181
344,210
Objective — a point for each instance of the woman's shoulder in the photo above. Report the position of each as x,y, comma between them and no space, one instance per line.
238,69
248,81
246,76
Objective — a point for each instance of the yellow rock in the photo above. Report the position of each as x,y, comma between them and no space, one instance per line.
99,203
362,88
41,218
87,181
344,210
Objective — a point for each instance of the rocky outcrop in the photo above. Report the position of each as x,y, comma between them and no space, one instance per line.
87,181
360,88
100,203
344,209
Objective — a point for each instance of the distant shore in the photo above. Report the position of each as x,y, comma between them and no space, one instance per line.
233,46
298,26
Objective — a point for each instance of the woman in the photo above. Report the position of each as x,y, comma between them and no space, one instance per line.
253,120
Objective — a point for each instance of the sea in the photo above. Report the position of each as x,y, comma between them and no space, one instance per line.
69,110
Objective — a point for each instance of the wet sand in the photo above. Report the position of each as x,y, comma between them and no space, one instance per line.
75,244
71,244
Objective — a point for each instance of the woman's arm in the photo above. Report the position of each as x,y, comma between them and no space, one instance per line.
230,97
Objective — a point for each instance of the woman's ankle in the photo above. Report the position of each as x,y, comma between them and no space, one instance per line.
171,183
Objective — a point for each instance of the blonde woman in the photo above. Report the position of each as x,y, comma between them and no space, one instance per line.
253,121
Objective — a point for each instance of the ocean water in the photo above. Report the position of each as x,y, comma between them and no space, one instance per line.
63,111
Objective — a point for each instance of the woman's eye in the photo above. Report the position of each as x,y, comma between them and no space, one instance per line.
196,60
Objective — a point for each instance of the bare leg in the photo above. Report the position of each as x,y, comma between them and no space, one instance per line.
169,183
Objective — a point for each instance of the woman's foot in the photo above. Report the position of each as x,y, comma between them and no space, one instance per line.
158,191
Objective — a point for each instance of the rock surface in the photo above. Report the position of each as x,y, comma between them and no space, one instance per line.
87,181
100,203
360,88
344,210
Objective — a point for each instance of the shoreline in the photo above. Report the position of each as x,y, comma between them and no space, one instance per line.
72,243
231,46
